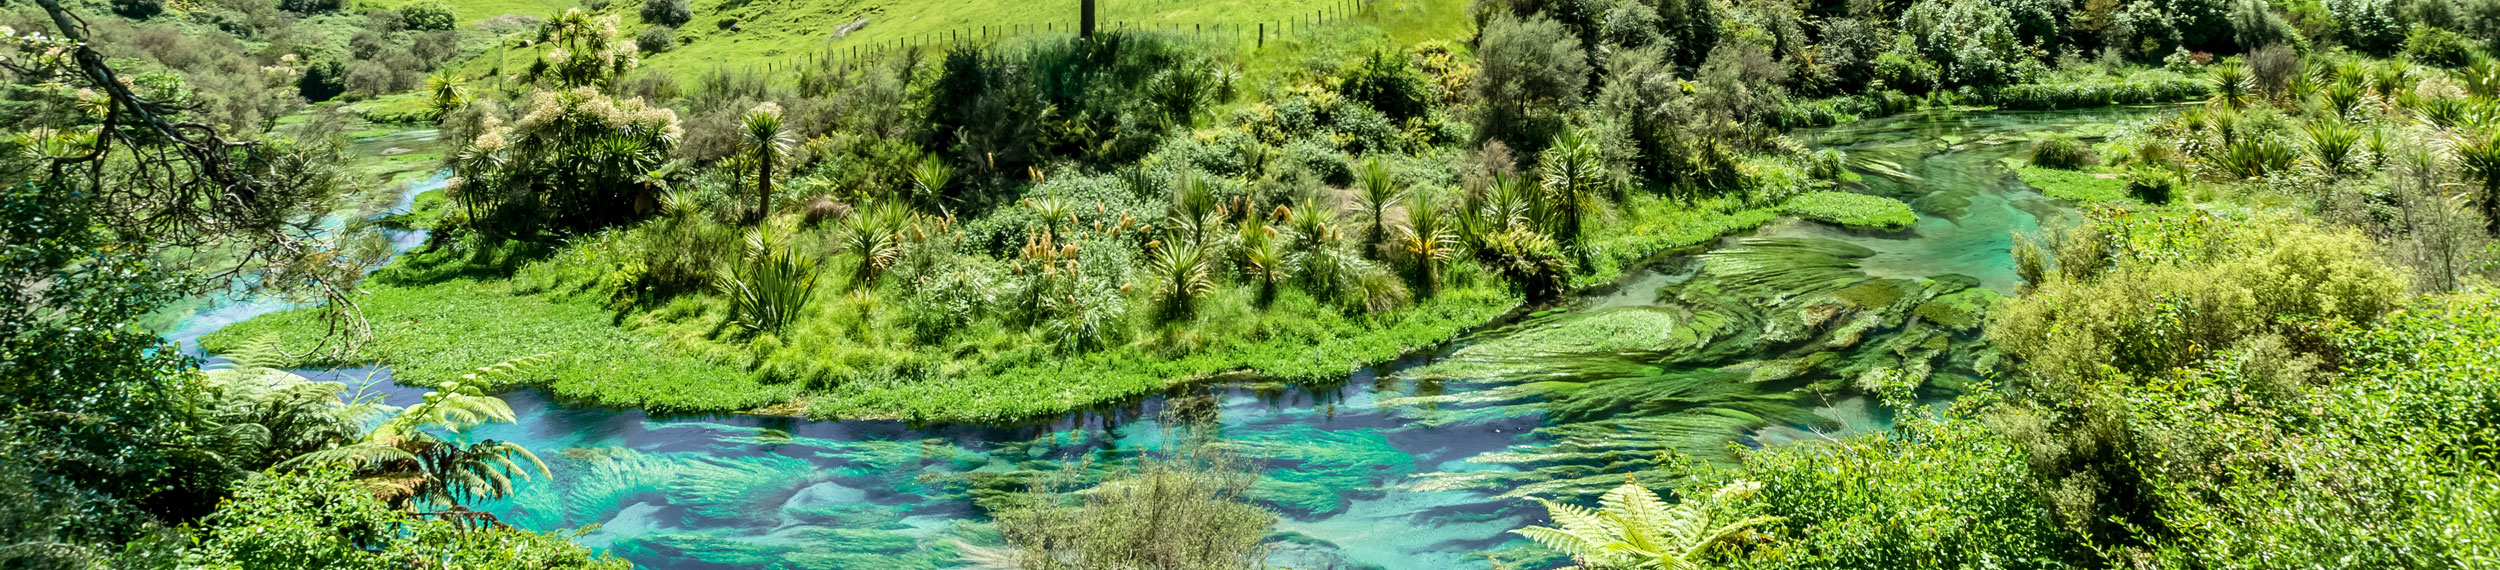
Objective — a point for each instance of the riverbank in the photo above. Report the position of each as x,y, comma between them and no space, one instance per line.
445,310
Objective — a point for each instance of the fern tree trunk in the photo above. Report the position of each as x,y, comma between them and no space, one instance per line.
1085,20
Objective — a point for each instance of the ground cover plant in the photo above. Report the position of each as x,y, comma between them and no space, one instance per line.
2262,346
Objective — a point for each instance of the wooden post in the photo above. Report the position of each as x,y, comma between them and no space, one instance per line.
1262,35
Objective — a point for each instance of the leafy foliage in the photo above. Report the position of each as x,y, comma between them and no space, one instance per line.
1633,528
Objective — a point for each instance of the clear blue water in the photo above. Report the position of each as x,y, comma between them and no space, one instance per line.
1345,465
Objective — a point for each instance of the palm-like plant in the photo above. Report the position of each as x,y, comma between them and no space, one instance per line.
1263,256
929,178
765,143
1633,528
1195,210
1574,176
2254,157
445,94
769,286
2478,154
2231,86
873,236
1181,275
1426,241
2332,145
1376,190
2341,97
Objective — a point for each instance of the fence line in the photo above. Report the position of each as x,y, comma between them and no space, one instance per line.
1256,34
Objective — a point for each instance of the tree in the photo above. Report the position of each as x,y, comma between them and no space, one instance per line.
1531,69
579,157
766,142
1973,41
1633,528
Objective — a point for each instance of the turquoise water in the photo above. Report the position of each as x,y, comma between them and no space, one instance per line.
1417,464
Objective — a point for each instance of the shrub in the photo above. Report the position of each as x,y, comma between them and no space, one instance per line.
2153,186
312,6
656,39
428,15
2062,152
1387,83
1906,72
2273,66
671,13
2437,47
768,288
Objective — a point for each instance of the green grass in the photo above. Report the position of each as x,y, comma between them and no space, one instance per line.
2079,186
775,35
1294,340
474,11
1853,210
1648,225
436,332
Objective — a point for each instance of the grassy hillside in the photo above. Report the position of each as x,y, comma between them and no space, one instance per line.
762,33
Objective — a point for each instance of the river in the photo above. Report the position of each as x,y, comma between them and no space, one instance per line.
1413,465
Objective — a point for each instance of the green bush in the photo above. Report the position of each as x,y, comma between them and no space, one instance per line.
428,15
656,39
2153,186
671,13
317,518
1944,493
2438,47
2138,89
2062,152
1853,210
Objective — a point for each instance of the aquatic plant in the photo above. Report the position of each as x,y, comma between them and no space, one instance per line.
1633,528
1312,471
743,490
1853,210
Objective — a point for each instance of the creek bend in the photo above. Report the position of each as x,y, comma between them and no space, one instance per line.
1775,337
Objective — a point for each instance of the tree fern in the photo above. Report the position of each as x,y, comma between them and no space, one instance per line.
1633,528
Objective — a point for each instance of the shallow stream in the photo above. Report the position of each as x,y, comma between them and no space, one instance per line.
1413,465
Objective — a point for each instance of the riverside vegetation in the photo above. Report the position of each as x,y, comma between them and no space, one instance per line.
1008,231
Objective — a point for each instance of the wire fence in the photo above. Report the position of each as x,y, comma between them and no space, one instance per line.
1254,35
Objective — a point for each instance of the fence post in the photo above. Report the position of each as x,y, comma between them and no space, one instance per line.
1262,35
